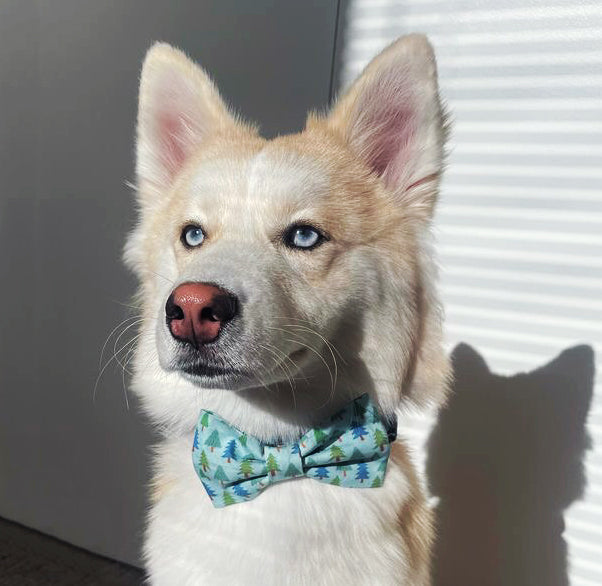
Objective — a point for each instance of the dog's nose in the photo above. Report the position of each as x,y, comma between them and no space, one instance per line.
196,312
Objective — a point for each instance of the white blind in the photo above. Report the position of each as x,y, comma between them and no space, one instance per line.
520,221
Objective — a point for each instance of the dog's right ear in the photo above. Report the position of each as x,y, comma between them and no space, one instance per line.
179,108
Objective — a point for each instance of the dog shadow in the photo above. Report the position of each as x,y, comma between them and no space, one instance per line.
505,460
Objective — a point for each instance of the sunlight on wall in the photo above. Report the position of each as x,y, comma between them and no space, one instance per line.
520,221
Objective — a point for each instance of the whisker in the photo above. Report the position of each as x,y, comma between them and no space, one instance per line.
126,361
138,307
122,333
279,363
162,276
114,357
112,332
312,349
326,342
330,345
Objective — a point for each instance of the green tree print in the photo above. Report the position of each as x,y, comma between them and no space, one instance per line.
220,475
380,440
204,461
243,440
228,499
344,470
336,481
292,470
213,440
272,465
205,420
376,482
319,436
246,468
336,453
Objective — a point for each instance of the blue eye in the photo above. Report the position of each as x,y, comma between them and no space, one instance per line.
304,237
192,236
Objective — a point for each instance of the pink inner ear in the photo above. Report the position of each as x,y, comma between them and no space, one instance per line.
179,120
172,132
385,128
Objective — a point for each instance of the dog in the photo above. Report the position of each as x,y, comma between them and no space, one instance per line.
281,281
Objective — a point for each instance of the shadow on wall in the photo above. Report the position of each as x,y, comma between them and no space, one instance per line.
506,460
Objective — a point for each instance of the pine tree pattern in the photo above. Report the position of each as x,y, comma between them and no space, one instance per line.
321,473
380,439
228,499
212,494
292,471
230,451
213,440
220,475
272,464
358,430
204,461
240,490
362,472
350,449
205,420
246,468
319,435
336,453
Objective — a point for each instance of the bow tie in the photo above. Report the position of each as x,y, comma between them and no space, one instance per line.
349,449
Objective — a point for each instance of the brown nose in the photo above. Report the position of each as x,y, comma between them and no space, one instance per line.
195,312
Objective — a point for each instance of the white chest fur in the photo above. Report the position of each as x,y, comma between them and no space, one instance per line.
298,532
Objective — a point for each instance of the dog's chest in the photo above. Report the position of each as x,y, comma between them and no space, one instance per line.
296,532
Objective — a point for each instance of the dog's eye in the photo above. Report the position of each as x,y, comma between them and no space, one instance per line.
192,236
305,237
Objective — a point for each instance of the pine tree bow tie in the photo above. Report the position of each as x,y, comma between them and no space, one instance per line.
350,449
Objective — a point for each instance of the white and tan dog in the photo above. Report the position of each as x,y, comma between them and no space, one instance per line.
279,280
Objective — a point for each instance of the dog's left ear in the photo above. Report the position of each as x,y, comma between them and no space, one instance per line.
393,119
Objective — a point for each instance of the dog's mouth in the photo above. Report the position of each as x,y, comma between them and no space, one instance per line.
204,370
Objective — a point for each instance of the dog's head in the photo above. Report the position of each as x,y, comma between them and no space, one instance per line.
294,272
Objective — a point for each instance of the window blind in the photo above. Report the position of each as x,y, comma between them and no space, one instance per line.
519,225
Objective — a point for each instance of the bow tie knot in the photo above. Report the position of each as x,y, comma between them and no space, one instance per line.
350,449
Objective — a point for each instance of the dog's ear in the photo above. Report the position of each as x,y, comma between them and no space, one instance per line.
393,119
179,108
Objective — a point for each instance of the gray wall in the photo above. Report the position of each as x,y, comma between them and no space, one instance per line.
68,83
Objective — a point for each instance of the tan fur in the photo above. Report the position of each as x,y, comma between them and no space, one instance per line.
415,519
